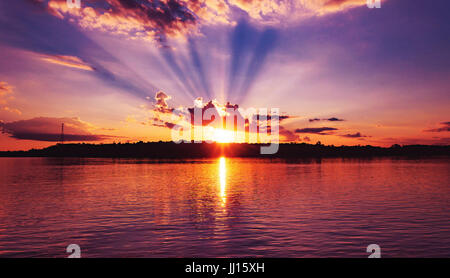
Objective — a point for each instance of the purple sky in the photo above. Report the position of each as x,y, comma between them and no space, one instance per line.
384,73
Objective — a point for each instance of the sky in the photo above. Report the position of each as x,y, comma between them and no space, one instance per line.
113,70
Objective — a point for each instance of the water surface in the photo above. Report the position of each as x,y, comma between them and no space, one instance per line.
224,207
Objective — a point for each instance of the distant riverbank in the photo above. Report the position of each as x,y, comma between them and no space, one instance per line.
205,150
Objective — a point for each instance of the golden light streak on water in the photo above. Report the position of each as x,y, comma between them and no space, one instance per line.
223,179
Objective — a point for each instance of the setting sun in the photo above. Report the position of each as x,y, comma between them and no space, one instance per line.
223,136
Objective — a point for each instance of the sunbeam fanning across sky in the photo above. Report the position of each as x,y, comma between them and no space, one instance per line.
249,50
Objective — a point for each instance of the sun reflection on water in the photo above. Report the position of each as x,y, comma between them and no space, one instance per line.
223,179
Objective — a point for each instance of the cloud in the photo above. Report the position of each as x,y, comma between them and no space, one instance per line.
49,129
6,95
316,130
157,20
138,19
281,118
286,117
328,6
67,61
355,135
162,113
162,116
161,102
288,136
333,119
164,124
446,127
6,92
5,88
12,110
276,11
211,11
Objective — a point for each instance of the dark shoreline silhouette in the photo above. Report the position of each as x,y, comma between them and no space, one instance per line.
205,150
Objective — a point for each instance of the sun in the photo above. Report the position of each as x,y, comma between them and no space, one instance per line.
223,136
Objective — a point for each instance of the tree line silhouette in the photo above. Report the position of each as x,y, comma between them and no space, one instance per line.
205,150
